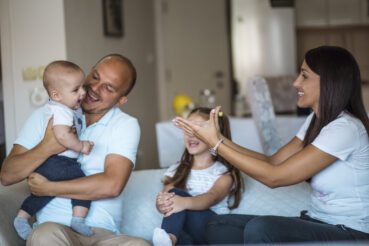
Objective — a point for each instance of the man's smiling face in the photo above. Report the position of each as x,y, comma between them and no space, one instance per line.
105,86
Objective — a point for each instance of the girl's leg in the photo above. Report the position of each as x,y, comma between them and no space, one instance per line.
172,227
174,223
226,229
195,224
277,229
184,239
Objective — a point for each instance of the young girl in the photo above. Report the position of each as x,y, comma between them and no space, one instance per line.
197,188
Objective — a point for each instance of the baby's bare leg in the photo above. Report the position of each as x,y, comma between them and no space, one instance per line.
23,214
78,221
79,211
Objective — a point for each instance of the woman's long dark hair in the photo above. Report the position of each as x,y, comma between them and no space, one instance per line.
340,88
179,180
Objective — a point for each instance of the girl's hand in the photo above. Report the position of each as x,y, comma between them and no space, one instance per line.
164,202
209,133
179,204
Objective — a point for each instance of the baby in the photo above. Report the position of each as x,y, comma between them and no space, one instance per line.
63,81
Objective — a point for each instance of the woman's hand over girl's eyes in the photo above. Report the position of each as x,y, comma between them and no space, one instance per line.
207,133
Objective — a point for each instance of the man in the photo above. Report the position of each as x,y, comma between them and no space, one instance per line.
107,168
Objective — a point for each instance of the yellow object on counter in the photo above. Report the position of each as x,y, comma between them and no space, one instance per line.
183,104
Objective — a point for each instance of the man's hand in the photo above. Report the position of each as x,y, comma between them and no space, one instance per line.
50,143
179,204
164,202
38,184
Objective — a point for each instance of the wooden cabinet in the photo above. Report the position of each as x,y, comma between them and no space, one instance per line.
311,13
314,13
343,12
353,38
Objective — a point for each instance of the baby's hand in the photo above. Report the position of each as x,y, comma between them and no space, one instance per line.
86,147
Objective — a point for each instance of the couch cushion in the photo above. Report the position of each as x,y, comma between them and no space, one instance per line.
140,215
259,199
11,198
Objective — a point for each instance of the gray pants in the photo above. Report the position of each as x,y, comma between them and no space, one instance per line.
252,229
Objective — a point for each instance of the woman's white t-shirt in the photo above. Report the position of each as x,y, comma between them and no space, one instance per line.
201,181
341,191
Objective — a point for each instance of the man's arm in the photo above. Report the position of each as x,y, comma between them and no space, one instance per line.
21,162
107,184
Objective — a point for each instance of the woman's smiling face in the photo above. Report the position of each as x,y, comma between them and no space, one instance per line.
308,88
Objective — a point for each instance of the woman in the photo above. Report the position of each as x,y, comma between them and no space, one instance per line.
331,148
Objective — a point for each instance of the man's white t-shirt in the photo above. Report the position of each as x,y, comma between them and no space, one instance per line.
115,133
341,191
201,181
63,115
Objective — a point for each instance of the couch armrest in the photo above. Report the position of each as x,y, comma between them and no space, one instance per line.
11,198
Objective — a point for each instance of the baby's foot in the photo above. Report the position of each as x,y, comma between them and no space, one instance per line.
22,227
78,225
161,238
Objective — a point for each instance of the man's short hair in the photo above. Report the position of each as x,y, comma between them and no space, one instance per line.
126,61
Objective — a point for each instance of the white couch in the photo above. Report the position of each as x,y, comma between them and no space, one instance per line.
140,216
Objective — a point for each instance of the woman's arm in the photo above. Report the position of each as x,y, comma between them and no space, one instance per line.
204,201
211,135
297,168
243,150
291,164
281,155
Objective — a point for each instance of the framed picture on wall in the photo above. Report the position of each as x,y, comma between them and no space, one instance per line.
113,21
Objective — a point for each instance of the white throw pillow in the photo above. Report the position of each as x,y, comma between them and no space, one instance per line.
259,199
140,215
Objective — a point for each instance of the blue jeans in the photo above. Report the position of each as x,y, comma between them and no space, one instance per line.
55,168
187,225
238,229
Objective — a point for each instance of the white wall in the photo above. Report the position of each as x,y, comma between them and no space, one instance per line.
32,35
86,44
263,39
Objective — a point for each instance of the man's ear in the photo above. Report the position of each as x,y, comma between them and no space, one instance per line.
122,100
55,96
